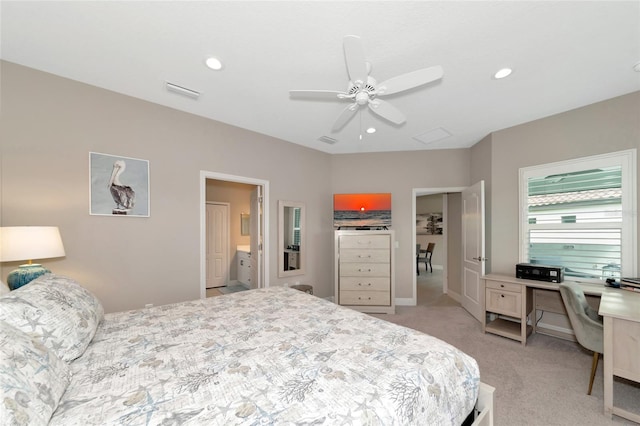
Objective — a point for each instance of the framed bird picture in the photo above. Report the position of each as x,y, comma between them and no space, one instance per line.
119,185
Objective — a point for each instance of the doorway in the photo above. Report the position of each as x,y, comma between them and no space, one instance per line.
437,209
238,192
464,255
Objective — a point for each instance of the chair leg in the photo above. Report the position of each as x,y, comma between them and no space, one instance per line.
594,367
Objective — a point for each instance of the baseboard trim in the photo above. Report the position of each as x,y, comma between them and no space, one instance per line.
405,301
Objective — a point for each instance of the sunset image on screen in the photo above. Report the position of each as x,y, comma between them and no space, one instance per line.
362,210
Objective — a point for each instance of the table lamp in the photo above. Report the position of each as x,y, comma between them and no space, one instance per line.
27,243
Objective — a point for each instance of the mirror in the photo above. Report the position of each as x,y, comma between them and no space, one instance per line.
244,224
291,238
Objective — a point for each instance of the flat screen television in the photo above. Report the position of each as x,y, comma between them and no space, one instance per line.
362,211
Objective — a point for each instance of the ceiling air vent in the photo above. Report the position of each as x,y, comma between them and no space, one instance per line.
327,139
174,88
432,136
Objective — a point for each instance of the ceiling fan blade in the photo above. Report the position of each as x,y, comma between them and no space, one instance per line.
387,111
318,94
344,117
409,80
356,63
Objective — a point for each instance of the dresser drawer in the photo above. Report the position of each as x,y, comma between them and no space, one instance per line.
365,298
504,302
364,255
499,285
364,242
365,283
365,270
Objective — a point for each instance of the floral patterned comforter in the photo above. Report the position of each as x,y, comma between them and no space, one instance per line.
266,356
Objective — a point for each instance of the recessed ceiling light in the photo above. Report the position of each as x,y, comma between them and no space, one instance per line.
371,130
214,63
504,72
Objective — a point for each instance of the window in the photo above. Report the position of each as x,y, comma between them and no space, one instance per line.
296,226
581,214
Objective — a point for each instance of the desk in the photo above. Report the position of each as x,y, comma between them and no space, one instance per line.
621,313
515,299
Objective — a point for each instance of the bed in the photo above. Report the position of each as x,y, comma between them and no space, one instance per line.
265,356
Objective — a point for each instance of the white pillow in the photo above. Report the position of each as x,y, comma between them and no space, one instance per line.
57,311
32,379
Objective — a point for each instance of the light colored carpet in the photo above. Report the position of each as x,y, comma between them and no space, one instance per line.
543,383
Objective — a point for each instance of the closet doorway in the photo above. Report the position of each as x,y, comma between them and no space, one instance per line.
245,198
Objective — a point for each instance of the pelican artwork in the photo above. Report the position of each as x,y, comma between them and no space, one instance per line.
123,195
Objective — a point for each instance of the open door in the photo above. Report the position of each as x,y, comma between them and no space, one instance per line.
473,262
255,219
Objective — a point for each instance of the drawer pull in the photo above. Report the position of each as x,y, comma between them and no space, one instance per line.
360,298
364,257
369,284
502,285
502,295
364,270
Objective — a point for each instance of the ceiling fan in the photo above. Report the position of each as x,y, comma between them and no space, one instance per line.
365,90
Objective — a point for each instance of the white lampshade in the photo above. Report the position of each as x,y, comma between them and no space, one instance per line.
19,243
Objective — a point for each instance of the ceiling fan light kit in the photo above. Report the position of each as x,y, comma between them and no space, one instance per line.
363,89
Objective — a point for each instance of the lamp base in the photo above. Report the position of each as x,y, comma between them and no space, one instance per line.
25,274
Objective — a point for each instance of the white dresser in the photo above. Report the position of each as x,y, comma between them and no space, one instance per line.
364,270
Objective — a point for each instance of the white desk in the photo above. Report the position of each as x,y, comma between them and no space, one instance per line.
621,312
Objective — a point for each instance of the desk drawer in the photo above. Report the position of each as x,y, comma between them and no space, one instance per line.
499,285
504,302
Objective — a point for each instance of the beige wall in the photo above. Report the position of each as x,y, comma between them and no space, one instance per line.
48,125
608,126
454,243
398,173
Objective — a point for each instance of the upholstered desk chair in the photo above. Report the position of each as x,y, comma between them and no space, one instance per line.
428,253
586,323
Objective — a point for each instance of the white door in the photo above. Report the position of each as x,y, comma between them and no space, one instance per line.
217,263
473,261
255,227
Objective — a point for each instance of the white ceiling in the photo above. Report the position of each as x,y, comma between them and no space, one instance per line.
564,54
